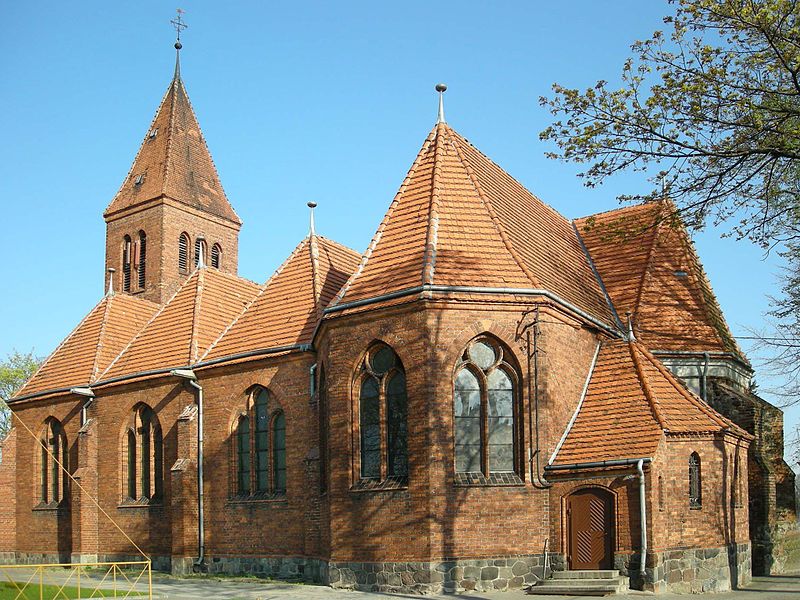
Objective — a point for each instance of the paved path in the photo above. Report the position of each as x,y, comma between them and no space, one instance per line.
786,587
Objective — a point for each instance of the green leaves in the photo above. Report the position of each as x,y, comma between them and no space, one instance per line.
14,372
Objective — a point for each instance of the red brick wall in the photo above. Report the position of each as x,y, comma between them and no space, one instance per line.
8,495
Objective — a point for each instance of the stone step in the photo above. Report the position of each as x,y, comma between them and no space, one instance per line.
577,586
609,574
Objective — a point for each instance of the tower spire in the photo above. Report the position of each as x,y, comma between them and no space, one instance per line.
441,88
179,25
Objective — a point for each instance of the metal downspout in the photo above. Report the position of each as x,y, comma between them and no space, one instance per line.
200,565
642,516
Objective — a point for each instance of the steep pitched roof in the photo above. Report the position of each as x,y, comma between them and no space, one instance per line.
630,401
460,220
186,325
288,308
637,251
174,162
92,345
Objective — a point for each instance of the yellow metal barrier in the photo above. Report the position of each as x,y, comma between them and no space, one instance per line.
68,581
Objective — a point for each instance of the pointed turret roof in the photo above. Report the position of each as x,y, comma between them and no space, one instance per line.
174,162
185,327
460,220
288,308
632,400
92,345
649,268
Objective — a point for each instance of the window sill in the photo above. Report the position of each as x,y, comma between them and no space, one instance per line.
493,480
376,485
51,507
140,503
262,498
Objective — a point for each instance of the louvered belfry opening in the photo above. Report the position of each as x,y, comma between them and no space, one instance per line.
127,257
199,250
216,256
142,260
183,253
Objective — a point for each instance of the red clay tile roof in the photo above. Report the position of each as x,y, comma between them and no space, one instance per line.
631,399
207,302
460,220
637,251
174,161
92,345
288,308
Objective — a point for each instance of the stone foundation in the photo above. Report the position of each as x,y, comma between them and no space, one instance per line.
690,571
308,570
441,576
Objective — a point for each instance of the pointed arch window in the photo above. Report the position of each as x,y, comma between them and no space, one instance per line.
383,416
183,253
216,256
486,405
127,259
260,448
695,482
141,260
200,249
144,461
53,477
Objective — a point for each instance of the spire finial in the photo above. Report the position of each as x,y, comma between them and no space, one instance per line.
179,25
631,337
441,88
311,206
110,291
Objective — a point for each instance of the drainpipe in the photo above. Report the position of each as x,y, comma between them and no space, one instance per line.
642,516
89,395
705,377
191,378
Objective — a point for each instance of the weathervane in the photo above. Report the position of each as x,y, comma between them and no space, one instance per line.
179,25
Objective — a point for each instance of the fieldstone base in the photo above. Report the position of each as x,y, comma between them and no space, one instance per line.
776,550
690,571
440,576
308,570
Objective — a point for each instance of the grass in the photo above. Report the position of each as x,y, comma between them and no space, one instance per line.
50,592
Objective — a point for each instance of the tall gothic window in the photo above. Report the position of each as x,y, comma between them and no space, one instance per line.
383,415
216,256
485,400
260,446
53,478
144,463
127,259
183,253
141,262
695,482
200,249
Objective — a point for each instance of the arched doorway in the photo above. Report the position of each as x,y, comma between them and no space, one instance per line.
590,529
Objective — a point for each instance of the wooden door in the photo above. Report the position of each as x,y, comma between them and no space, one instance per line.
590,518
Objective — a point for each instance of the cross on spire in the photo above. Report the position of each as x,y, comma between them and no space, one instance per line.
179,25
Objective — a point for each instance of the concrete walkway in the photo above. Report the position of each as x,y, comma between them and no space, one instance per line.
785,587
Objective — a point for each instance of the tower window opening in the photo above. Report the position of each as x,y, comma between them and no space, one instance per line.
183,253
141,263
127,257
216,256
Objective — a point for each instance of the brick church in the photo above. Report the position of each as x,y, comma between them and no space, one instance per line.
489,395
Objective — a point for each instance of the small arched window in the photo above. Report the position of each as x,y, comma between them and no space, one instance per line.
183,253
260,446
144,457
695,482
216,256
141,260
200,249
127,259
53,475
485,410
383,415
660,493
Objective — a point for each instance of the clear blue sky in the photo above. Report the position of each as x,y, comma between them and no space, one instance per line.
299,101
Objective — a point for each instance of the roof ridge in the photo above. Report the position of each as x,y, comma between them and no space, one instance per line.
335,243
316,288
146,325
255,298
376,238
492,214
432,233
61,345
648,263
103,322
618,208
598,277
198,302
170,135
648,393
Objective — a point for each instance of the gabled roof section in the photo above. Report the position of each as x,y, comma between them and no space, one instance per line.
460,220
174,162
631,400
288,308
649,268
92,345
185,327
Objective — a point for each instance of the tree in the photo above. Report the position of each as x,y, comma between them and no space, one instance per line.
711,111
14,372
